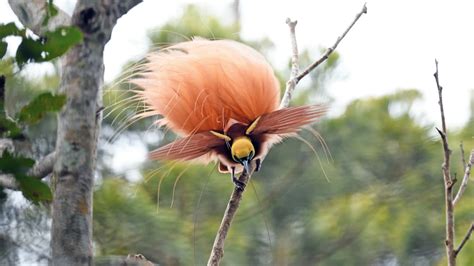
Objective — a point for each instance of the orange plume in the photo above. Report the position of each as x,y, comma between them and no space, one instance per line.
200,85
222,98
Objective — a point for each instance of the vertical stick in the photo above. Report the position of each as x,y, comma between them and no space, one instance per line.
448,181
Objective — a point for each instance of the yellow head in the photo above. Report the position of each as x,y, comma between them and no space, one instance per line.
242,149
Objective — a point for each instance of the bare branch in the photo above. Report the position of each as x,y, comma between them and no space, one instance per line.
465,179
465,239
295,75
448,181
8,181
119,7
463,155
440,95
33,12
331,49
44,166
291,83
218,248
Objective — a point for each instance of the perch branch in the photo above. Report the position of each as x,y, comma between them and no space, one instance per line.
465,239
32,13
448,181
218,247
465,179
291,84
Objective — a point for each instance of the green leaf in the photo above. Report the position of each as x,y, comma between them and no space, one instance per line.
10,29
34,189
51,11
3,48
15,165
9,129
38,107
51,45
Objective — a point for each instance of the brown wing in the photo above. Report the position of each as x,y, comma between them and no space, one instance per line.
188,148
288,120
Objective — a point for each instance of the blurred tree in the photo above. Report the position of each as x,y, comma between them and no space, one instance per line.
379,206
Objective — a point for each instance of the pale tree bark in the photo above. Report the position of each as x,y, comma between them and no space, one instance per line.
79,123
32,13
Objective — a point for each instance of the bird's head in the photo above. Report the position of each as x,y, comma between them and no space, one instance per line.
241,147
242,151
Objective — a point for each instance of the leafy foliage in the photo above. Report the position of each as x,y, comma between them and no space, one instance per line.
39,49
48,47
36,109
51,11
3,48
32,188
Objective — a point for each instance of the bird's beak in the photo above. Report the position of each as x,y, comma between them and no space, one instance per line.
246,165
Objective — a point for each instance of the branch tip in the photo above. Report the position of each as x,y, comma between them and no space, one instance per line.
465,239
295,75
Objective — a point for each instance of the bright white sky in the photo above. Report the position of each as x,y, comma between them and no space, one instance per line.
392,47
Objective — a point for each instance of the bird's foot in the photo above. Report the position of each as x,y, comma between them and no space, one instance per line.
238,184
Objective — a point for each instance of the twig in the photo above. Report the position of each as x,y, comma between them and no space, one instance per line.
440,95
448,181
465,239
463,155
218,247
465,179
290,85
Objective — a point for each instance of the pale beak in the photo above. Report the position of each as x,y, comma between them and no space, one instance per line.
246,165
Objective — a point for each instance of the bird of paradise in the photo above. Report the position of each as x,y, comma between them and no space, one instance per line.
221,97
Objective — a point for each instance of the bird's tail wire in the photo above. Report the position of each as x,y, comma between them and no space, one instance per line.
298,137
195,216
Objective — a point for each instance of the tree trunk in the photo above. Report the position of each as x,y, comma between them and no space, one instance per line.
79,121
78,130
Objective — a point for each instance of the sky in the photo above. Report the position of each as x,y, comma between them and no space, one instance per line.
392,47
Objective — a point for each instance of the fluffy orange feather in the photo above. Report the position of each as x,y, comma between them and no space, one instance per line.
222,98
200,85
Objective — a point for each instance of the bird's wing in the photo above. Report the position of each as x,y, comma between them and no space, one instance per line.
288,120
188,148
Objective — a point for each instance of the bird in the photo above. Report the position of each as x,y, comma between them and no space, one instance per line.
221,98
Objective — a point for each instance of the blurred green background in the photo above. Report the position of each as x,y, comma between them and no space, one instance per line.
374,196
